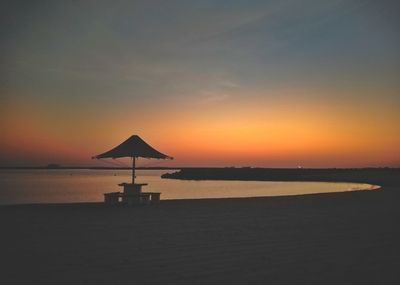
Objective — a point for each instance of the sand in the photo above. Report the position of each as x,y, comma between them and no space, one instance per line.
336,238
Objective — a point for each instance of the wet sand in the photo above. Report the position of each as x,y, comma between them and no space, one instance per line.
336,238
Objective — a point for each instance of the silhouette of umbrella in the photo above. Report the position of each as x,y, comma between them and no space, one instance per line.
133,147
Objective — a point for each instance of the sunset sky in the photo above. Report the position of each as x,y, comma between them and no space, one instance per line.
279,83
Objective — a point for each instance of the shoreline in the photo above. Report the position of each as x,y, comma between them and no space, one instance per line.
89,204
369,187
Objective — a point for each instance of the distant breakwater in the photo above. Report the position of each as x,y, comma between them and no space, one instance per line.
377,176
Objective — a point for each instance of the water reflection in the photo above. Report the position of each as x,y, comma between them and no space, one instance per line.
63,186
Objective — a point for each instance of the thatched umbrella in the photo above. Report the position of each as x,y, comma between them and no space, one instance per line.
133,147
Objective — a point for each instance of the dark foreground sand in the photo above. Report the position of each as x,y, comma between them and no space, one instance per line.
339,238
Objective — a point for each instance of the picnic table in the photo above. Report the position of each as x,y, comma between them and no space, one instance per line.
132,195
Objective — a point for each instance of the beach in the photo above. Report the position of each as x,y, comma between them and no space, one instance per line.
331,238
200,142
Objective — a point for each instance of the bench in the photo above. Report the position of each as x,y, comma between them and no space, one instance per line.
116,198
111,198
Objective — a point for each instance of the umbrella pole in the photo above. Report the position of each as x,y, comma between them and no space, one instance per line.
133,169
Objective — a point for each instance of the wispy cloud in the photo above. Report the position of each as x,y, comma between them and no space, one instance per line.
211,97
229,84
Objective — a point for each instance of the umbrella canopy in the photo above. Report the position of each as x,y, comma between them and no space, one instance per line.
133,147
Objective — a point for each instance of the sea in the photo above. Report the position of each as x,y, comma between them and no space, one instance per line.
84,185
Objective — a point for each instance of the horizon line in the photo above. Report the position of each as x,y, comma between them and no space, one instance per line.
181,167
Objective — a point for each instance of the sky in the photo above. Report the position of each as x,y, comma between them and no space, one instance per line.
281,83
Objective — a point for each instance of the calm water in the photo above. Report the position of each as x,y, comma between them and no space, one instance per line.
60,186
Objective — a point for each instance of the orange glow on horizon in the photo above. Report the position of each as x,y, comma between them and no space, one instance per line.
305,133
